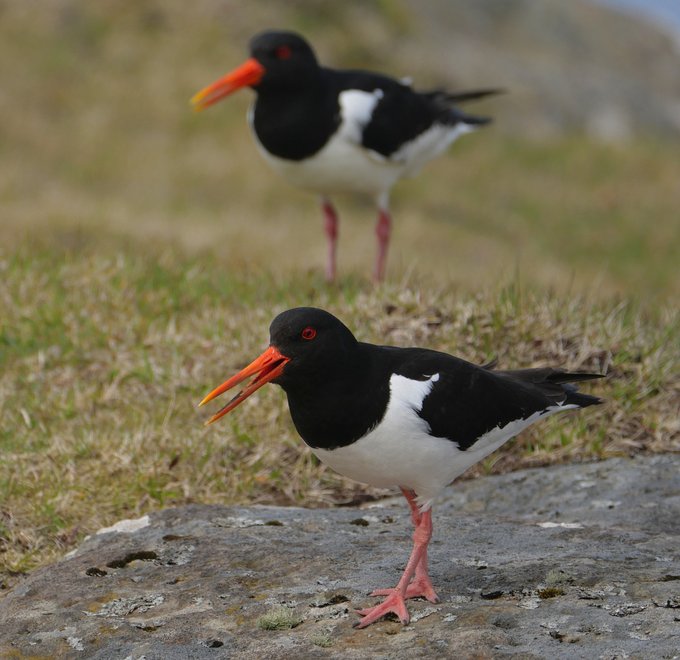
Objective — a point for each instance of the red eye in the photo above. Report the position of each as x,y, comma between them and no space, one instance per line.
308,333
283,52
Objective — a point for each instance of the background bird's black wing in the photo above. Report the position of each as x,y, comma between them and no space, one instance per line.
469,95
400,115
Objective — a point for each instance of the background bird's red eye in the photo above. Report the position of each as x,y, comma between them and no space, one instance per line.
283,52
308,333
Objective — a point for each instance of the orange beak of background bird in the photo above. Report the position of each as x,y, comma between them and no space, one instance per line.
249,73
268,366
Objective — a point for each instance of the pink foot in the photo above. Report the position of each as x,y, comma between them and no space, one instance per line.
414,582
394,603
420,587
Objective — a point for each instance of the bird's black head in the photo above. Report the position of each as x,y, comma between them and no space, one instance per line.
308,348
278,60
317,344
280,48
288,60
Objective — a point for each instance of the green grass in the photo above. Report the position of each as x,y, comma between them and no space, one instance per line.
144,251
279,618
106,351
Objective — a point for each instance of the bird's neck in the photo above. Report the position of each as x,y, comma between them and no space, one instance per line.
342,409
295,124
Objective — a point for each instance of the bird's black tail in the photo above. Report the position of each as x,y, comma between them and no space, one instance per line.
472,95
556,384
566,380
447,101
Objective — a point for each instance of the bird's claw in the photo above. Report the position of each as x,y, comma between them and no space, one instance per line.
393,604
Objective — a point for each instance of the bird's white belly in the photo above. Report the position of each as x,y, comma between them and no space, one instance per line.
388,457
339,167
399,451
342,165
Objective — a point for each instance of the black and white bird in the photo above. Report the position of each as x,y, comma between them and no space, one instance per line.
407,417
334,131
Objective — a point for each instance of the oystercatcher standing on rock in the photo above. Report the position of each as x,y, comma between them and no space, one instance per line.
407,417
332,131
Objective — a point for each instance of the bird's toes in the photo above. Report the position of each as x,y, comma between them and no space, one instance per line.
421,587
364,612
393,604
381,592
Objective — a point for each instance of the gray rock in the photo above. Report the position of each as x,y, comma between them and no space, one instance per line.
577,561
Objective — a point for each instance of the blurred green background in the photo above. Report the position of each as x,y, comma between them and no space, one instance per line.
575,182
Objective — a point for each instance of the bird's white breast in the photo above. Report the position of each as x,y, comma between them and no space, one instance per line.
399,451
342,164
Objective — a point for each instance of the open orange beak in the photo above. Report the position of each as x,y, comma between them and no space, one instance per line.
268,366
249,73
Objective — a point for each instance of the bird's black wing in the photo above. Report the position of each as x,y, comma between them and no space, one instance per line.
467,401
401,113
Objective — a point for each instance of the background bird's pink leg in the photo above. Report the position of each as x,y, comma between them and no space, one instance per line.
395,602
331,229
421,585
382,230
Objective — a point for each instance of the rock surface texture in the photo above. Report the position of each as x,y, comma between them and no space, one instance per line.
577,561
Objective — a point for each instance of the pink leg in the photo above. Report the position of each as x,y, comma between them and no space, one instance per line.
331,228
421,585
382,230
395,601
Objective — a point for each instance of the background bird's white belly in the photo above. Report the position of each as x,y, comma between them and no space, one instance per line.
339,167
342,164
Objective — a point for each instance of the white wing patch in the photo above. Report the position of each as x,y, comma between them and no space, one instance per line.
356,110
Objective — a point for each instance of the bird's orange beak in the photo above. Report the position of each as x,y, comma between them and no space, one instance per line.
249,73
268,366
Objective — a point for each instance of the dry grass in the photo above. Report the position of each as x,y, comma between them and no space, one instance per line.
105,354
144,250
